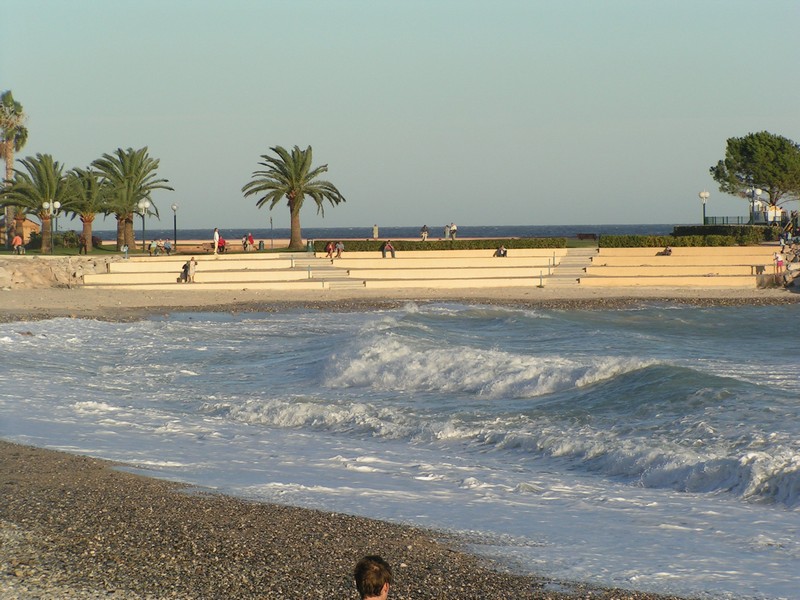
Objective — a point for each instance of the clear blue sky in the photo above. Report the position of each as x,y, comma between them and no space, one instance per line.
426,111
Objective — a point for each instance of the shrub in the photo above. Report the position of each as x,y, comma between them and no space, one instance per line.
745,235
660,241
35,241
68,239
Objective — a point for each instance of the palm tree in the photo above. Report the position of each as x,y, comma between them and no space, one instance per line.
44,182
13,135
88,198
291,176
131,177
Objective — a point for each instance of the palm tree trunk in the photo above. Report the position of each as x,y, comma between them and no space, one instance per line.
120,232
296,240
47,237
130,238
19,222
87,221
8,155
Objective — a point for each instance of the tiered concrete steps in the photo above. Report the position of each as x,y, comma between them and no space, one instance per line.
571,268
302,270
724,266
227,271
453,269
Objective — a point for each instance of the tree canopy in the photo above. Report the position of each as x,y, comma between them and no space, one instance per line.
760,160
42,181
291,176
129,176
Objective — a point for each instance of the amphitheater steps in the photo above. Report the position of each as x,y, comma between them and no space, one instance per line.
571,268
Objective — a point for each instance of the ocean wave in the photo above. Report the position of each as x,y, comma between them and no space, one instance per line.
392,363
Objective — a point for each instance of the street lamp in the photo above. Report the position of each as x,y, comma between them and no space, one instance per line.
754,194
174,208
52,209
703,198
143,206
271,235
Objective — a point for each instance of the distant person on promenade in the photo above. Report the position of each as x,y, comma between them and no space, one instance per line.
83,247
375,231
329,250
447,232
453,231
251,241
778,257
373,577
339,249
17,245
501,252
192,270
216,240
387,247
424,233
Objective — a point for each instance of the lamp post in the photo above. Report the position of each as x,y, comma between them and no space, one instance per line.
52,209
143,206
271,235
174,208
754,194
704,198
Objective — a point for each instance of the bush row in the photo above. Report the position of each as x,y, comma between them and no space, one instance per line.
660,241
400,245
65,239
745,234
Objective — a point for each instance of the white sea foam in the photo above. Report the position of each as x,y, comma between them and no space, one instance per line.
394,364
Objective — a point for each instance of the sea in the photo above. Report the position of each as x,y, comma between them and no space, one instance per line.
654,447
355,233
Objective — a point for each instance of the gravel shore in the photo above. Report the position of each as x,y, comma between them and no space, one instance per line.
76,527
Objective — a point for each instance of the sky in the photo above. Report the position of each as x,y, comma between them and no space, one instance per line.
481,112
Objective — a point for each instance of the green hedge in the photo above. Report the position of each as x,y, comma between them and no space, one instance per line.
746,235
401,245
660,241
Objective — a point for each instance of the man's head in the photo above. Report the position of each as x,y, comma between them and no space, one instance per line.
373,576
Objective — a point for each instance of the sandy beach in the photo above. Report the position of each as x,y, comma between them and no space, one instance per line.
74,527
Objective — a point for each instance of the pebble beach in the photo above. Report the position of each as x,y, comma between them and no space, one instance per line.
76,527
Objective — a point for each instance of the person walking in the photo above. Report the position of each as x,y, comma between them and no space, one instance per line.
216,240
447,232
453,231
424,233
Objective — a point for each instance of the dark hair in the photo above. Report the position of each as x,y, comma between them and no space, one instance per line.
371,574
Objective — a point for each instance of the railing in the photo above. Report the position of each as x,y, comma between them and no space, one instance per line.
726,221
